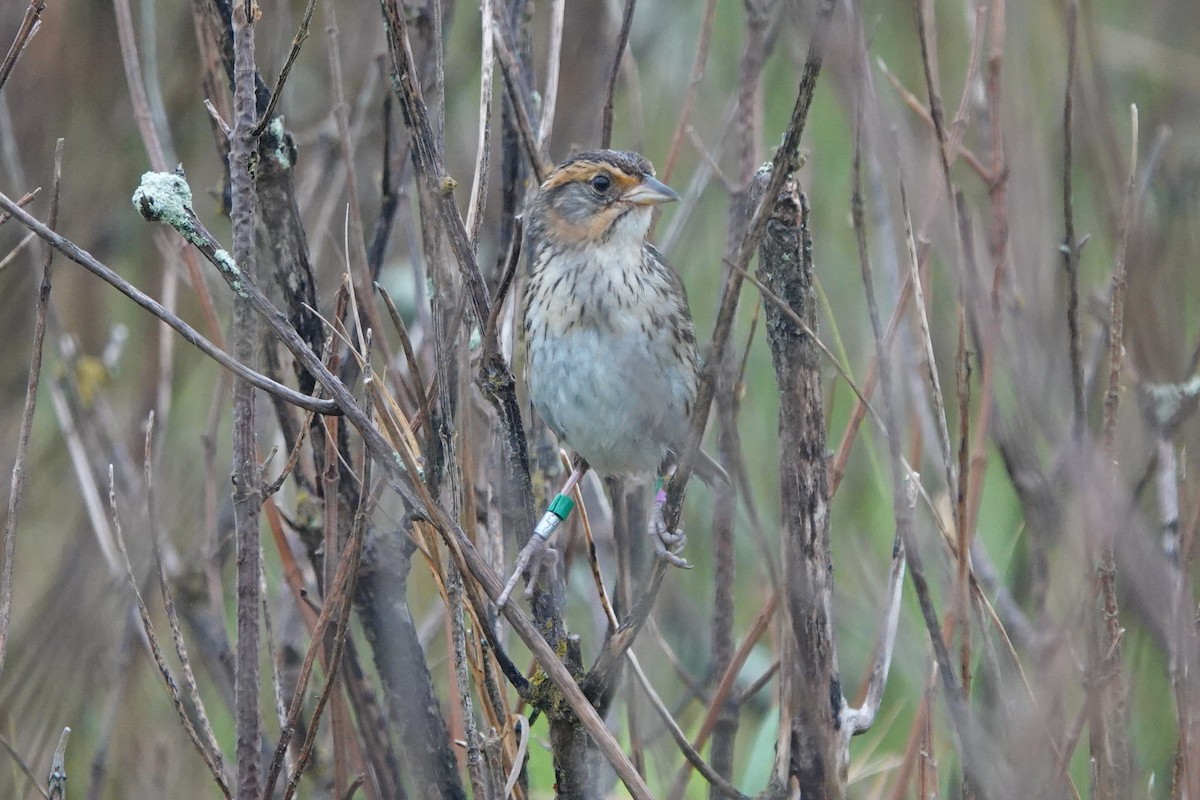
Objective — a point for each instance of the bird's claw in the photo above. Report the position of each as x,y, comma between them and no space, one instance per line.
536,556
667,543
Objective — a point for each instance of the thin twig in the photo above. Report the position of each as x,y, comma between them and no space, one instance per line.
902,486
558,13
209,739
25,200
297,41
722,785
606,119
518,92
859,720
724,687
337,601
694,77
1070,245
30,24
25,770
414,366
483,151
340,597
137,87
935,384
1116,326
214,767
8,546
190,334
781,167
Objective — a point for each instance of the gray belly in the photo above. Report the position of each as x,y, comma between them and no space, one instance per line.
619,400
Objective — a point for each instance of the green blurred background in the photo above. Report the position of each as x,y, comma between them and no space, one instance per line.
69,644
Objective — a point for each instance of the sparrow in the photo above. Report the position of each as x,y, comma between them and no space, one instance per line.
610,347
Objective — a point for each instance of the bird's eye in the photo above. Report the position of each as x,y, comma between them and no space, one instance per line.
601,183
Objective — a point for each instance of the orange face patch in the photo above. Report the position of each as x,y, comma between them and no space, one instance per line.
583,171
575,233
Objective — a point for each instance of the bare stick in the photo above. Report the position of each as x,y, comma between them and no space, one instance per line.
29,28
715,779
25,200
156,141
694,78
209,739
462,680
210,761
859,720
781,167
558,12
725,687
518,92
190,334
901,486
137,87
293,54
479,180
58,766
9,544
340,598
414,366
1116,327
606,119
1070,245
1114,761
24,767
247,480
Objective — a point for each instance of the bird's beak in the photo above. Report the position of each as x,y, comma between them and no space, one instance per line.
651,192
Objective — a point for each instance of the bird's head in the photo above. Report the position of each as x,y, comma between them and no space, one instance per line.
595,196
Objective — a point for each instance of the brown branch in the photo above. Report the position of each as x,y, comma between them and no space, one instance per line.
24,767
340,596
782,166
975,764
247,478
483,150
30,24
558,12
1070,245
1106,688
810,740
724,687
518,93
859,720
156,151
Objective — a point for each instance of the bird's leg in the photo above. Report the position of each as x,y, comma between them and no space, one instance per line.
667,543
537,553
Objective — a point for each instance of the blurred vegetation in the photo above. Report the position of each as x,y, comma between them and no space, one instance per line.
77,657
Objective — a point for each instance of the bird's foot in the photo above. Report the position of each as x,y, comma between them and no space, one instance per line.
537,554
667,543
